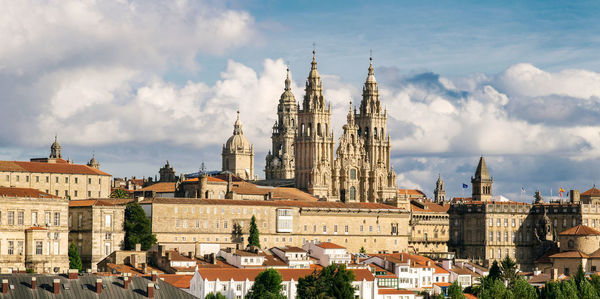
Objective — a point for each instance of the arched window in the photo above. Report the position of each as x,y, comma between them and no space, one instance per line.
353,174
293,123
375,133
352,193
302,130
571,244
309,129
325,132
352,137
319,130
359,131
367,132
382,135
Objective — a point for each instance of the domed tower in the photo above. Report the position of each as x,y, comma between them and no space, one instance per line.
55,149
314,139
238,153
439,193
280,162
94,163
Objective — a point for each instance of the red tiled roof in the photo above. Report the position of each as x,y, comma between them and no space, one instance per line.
24,192
591,192
36,228
287,274
570,254
99,202
579,230
176,256
394,292
178,281
162,187
429,207
42,167
416,261
411,192
208,179
276,203
440,270
442,284
328,245
470,296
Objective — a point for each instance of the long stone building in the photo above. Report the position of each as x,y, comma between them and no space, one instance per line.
376,227
484,230
303,146
57,176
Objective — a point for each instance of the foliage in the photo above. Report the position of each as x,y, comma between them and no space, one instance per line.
494,288
362,250
333,281
551,290
138,228
215,296
29,270
569,289
253,238
595,281
508,268
439,296
522,289
74,258
495,272
119,193
579,276
267,285
237,236
587,291
455,291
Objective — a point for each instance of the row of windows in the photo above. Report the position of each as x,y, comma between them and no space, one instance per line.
16,247
18,218
215,211
265,239
183,223
335,228
512,235
36,178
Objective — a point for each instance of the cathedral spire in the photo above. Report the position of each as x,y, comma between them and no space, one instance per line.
482,171
237,127
370,101
288,82
55,149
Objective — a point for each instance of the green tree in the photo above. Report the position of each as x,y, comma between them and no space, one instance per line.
494,289
509,271
595,281
587,291
579,276
254,238
119,193
74,258
237,236
333,281
362,250
569,289
138,228
495,272
455,291
552,290
267,285
522,289
215,296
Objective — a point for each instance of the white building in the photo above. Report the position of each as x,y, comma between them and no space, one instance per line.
241,259
235,283
295,257
328,253
413,271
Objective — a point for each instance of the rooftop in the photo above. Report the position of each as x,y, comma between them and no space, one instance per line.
580,230
329,245
24,192
41,167
162,187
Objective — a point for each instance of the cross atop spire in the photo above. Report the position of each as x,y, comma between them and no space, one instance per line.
237,127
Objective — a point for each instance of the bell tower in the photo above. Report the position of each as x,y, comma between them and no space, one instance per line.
482,182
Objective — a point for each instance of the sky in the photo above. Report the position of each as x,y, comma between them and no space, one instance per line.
136,83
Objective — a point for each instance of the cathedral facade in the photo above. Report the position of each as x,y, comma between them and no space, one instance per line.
303,145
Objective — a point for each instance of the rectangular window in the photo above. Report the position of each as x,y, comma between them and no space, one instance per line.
491,222
505,222
66,180
361,228
18,178
11,247
20,216
216,224
513,223
47,180
56,219
37,178
335,228
324,229
346,228
177,223
47,218
56,179
184,223
66,193
76,180
498,222
491,236
565,223
75,193
34,218
27,178
498,237
370,228
39,247
56,192
197,223
107,248
56,248
107,220
505,236
20,247
89,194
90,181
225,224
79,219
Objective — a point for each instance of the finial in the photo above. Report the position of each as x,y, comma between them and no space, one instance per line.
371,55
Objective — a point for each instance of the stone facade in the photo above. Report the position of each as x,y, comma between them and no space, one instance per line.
96,227
238,153
430,227
33,234
375,227
167,173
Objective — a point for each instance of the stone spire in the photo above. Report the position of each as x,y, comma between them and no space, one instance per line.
55,149
370,101
287,96
237,127
313,98
439,193
482,171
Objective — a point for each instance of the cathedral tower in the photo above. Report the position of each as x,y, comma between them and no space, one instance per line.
94,163
371,120
55,149
280,162
439,194
314,140
482,182
238,153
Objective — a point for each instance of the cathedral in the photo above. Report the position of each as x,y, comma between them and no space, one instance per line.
303,145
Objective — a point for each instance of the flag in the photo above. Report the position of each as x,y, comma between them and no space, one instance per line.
522,189
561,191
465,186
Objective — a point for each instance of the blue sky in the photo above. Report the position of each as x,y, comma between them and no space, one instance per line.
140,82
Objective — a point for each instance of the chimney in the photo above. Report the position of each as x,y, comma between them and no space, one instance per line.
4,286
125,282
33,282
73,273
190,254
144,268
138,247
213,258
554,274
150,291
161,250
428,263
99,286
56,287
154,276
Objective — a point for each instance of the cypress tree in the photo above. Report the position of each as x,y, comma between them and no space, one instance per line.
74,258
253,238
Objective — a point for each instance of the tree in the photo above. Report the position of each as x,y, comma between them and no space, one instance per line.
253,238
333,281
217,295
495,272
551,290
362,250
579,276
267,285
495,288
509,271
569,289
119,193
595,281
74,259
587,291
455,291
237,236
138,228
522,289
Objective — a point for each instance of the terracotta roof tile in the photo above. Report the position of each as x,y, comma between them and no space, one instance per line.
394,292
411,192
49,168
570,254
99,202
162,187
178,281
329,245
286,274
24,192
442,284
36,228
591,192
579,230
429,207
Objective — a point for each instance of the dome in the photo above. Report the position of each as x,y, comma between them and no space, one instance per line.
93,161
237,141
